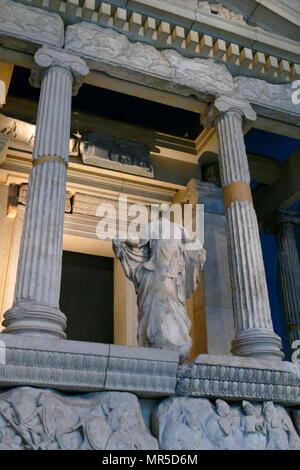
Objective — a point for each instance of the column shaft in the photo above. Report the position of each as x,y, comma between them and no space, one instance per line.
36,302
252,315
289,265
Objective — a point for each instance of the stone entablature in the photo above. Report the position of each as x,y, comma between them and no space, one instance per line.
39,419
193,32
106,50
25,27
23,195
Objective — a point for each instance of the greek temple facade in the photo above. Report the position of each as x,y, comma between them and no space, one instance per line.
74,76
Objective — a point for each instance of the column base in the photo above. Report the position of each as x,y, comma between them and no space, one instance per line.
35,320
260,343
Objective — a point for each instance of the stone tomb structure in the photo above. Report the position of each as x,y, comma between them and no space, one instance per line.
235,75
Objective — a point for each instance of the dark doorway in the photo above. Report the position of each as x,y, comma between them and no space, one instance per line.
87,297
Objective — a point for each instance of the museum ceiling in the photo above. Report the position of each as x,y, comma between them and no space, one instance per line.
101,102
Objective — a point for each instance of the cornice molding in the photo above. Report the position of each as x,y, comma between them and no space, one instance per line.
193,32
108,51
23,27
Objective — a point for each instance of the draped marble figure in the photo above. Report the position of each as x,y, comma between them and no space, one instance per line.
164,265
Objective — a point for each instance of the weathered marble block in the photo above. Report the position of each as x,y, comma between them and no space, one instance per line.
238,378
115,154
109,51
38,419
23,27
199,424
23,196
80,366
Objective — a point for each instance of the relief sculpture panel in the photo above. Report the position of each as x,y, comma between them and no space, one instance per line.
199,424
25,27
38,419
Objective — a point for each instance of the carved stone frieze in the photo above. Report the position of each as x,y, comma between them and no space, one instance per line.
87,204
117,154
35,419
276,100
204,76
199,424
44,419
240,378
23,195
83,367
90,204
107,44
107,50
25,27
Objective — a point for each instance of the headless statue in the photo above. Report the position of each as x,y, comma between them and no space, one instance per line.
165,270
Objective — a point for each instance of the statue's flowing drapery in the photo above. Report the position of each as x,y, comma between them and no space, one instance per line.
165,272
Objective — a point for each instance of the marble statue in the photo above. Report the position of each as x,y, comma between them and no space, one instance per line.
165,272
223,426
38,419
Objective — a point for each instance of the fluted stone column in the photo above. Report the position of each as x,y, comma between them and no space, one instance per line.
36,301
283,225
254,334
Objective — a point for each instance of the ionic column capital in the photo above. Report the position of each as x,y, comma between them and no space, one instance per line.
282,217
47,57
228,104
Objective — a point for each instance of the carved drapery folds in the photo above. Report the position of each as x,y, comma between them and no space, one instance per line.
109,51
